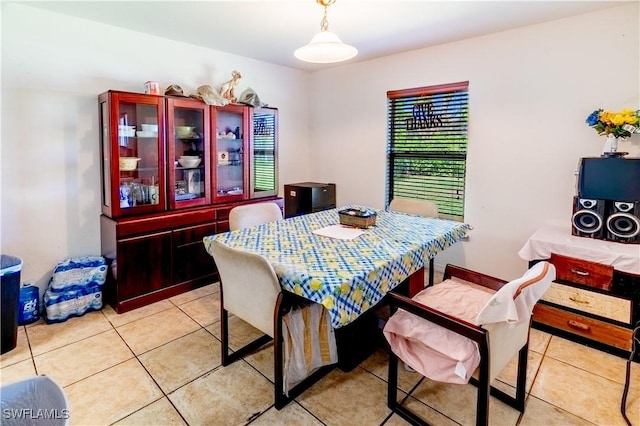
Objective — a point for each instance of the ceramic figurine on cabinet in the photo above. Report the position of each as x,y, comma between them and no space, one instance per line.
226,88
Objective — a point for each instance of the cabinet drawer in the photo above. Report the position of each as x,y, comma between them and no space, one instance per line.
599,331
603,305
583,272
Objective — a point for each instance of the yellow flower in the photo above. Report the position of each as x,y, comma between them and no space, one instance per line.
617,119
315,284
605,117
344,288
343,274
357,295
327,302
629,116
396,274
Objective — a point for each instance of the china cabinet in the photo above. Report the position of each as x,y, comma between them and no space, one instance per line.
172,169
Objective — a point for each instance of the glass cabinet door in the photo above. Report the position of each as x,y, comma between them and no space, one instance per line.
264,159
132,153
188,139
232,128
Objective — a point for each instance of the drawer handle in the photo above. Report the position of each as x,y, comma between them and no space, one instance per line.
578,325
579,272
575,299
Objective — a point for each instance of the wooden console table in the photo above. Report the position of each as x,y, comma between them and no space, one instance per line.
595,299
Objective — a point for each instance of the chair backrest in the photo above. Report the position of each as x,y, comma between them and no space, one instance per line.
514,302
419,207
250,287
249,215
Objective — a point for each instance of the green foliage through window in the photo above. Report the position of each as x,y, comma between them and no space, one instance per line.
264,146
427,145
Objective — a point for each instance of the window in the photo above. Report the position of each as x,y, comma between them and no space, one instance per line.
264,151
427,145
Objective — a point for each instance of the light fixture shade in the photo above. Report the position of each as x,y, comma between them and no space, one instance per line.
325,48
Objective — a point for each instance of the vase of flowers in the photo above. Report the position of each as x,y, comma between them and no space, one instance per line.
614,125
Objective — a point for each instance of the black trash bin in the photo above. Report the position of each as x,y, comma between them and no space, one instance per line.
10,289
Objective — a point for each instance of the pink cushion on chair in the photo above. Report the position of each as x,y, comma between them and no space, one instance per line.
443,355
448,357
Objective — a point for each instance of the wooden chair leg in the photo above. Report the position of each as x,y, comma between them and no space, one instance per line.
392,394
278,357
224,331
431,271
518,401
521,381
227,357
484,388
392,380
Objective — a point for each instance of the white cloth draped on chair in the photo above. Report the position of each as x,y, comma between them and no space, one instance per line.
309,343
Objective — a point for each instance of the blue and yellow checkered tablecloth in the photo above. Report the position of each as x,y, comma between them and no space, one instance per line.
346,276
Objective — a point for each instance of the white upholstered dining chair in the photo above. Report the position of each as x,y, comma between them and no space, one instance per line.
469,321
418,207
250,290
249,215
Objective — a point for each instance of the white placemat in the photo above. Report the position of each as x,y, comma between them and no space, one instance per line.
340,232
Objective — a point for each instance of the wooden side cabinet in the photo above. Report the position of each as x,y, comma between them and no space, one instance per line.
590,302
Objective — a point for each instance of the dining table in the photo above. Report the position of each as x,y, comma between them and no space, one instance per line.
348,270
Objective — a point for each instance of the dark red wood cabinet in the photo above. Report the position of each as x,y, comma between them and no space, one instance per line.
157,206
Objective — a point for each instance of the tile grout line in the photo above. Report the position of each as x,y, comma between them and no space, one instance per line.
544,356
164,394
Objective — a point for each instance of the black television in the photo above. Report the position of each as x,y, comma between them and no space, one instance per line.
614,178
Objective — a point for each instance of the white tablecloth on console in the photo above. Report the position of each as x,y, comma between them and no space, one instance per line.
558,239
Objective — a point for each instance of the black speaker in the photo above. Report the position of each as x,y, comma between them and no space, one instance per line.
588,218
623,222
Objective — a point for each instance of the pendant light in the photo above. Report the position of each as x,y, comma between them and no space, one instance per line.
325,47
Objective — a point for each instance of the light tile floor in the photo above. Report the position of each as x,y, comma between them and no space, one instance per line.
161,365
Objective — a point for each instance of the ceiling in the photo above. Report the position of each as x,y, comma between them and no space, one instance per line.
270,30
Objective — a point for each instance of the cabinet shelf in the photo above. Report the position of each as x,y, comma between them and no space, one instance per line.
137,137
189,168
140,169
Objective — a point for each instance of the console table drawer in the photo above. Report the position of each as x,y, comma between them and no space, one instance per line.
583,272
600,331
603,305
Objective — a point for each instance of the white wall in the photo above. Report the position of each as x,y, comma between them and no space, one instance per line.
530,91
53,68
